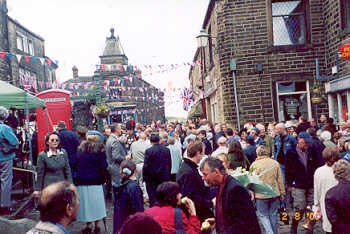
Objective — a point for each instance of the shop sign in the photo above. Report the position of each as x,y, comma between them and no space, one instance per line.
344,51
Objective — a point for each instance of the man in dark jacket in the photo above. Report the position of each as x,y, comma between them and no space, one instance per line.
70,142
156,167
301,165
337,199
250,150
207,146
234,209
191,184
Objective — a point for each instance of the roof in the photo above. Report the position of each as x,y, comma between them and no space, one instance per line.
26,29
208,14
113,46
79,79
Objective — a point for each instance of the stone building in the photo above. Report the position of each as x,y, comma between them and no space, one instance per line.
24,63
124,90
268,49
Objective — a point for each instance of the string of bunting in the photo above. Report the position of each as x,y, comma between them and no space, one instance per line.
27,58
131,68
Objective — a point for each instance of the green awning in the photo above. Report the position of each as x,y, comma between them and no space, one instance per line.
13,97
196,111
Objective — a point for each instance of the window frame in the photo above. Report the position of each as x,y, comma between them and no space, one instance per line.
345,21
308,35
31,47
20,36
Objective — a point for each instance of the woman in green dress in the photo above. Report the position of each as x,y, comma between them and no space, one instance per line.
53,164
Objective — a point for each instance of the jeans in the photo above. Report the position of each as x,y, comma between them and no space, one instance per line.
267,213
6,175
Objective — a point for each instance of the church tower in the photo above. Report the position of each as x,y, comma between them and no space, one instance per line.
113,52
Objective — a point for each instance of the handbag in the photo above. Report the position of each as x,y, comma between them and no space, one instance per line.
179,227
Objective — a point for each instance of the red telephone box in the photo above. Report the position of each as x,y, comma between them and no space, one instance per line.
58,108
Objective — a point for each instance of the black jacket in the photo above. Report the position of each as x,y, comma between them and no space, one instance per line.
157,164
90,168
69,141
192,186
238,210
128,200
338,207
208,149
296,174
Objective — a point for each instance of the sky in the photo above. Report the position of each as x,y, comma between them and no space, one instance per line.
152,32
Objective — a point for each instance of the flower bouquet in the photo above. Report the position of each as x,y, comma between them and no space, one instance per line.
250,180
102,110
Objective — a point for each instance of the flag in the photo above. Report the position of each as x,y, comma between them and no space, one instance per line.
187,98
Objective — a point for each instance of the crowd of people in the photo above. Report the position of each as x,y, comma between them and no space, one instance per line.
180,177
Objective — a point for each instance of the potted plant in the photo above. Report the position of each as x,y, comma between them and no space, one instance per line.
316,88
316,92
102,110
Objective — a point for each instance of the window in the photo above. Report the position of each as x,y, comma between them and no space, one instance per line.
346,14
30,47
293,100
20,40
28,80
288,23
24,44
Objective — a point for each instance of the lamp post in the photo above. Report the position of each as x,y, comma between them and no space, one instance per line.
202,40
98,96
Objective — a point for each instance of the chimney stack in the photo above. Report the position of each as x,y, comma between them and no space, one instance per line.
75,72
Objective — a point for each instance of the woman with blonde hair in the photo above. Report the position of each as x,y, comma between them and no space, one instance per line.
91,167
269,171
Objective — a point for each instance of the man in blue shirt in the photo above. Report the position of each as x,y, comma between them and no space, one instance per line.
8,145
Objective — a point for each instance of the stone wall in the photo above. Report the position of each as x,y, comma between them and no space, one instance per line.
244,32
4,66
335,36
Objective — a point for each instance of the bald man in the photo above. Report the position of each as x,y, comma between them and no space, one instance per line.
59,206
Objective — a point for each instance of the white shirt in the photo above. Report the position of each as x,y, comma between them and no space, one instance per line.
50,153
323,181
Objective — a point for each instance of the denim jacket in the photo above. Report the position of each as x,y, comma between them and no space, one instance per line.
6,132
289,144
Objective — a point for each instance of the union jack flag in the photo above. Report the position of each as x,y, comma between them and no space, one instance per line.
187,97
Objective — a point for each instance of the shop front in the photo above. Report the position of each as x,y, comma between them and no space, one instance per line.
338,93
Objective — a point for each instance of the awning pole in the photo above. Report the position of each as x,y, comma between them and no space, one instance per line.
29,139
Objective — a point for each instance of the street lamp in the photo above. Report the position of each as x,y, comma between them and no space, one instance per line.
202,40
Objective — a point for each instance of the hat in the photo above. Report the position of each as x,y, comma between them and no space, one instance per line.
61,124
256,130
306,136
289,124
93,132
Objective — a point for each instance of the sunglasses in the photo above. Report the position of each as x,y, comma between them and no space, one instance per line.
54,140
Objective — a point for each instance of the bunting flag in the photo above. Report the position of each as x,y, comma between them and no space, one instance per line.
27,58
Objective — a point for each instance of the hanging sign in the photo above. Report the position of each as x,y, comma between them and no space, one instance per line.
344,51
